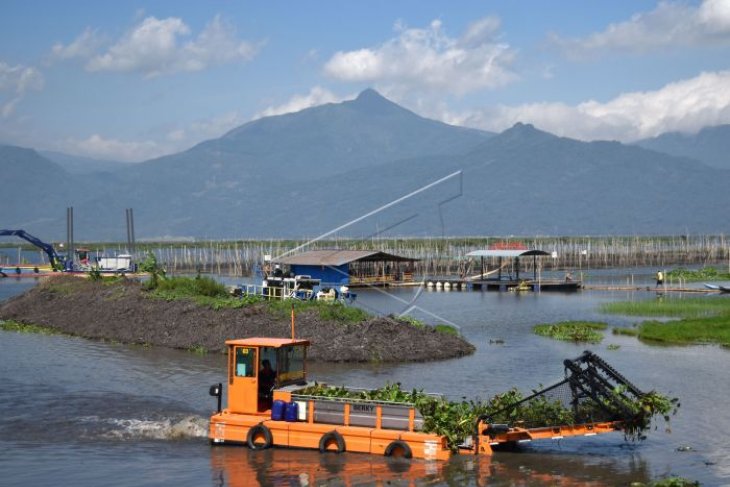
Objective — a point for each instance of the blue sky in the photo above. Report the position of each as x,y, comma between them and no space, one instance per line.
135,80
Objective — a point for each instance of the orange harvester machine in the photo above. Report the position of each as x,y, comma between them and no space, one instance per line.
267,407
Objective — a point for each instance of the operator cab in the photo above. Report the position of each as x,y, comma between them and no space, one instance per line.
257,366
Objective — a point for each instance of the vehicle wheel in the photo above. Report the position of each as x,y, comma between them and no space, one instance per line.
398,448
259,437
332,442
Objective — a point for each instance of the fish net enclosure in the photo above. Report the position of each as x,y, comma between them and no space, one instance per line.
592,391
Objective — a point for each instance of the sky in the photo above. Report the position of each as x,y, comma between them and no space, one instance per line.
130,81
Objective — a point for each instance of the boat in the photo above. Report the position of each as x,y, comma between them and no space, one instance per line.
717,287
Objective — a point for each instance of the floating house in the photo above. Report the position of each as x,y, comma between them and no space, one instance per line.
505,276
350,268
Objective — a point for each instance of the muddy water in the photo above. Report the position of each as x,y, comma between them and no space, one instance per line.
75,412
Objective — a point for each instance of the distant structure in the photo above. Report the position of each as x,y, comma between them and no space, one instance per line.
506,275
352,268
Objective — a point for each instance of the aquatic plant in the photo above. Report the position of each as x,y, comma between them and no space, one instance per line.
702,320
455,420
572,331
703,274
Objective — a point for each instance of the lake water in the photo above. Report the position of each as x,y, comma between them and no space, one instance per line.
77,412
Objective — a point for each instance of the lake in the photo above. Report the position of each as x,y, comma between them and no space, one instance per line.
78,412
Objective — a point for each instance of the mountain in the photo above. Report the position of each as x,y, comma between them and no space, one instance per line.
80,164
710,145
528,182
371,167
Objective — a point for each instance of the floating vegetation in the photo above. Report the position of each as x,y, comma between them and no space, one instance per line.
631,332
703,274
455,420
701,320
572,331
670,307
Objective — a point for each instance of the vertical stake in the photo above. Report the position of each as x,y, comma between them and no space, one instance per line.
292,321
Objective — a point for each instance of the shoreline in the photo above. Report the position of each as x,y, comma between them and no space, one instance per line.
124,312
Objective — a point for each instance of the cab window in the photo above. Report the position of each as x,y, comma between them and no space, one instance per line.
291,364
245,362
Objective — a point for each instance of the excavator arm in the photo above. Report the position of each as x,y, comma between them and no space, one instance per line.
53,257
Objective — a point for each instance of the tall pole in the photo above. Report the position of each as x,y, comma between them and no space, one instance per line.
70,238
129,231
131,226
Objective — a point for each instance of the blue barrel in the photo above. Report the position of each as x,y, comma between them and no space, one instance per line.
292,412
277,410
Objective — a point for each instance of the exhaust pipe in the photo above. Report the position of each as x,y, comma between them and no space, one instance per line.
216,390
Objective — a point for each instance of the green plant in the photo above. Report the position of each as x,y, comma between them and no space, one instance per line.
703,274
575,331
674,482
95,274
198,350
10,325
446,329
455,420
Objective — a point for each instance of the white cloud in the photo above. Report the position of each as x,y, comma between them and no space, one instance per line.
158,46
428,60
83,47
316,96
15,82
99,147
164,142
670,24
683,106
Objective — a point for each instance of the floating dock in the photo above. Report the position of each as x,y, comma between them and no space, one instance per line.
513,285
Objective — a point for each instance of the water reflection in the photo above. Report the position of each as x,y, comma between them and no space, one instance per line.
238,467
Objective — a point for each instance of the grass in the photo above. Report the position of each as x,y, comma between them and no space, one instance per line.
16,326
698,320
670,307
688,331
439,327
327,311
572,331
204,291
446,329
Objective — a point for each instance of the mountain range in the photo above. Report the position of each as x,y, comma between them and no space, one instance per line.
370,167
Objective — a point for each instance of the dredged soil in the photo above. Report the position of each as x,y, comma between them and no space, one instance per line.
124,312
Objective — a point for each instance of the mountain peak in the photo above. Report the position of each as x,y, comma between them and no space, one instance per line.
521,131
369,95
370,101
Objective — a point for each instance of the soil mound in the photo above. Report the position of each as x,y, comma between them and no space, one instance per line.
123,311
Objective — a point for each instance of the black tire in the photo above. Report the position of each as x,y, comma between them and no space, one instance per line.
327,438
398,448
260,430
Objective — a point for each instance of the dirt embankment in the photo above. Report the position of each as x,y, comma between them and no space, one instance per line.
124,312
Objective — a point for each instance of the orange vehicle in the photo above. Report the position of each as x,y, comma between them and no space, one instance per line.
267,407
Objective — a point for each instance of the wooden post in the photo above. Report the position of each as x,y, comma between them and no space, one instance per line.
292,322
